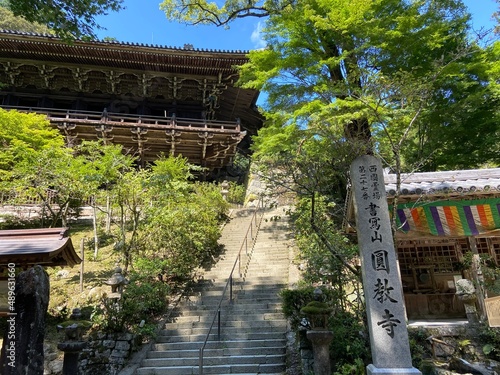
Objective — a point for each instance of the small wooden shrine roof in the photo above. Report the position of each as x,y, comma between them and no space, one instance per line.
27,247
443,204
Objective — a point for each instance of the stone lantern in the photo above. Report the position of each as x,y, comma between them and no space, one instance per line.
73,343
116,282
318,312
467,294
224,189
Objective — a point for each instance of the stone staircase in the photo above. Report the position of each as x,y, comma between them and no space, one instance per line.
253,329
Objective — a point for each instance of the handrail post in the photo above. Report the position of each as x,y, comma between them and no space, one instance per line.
218,327
239,264
201,362
231,289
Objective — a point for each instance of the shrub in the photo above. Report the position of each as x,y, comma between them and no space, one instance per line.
144,298
490,339
351,345
417,339
293,300
236,193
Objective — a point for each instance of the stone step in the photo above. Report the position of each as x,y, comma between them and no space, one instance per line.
235,323
190,345
254,360
242,302
205,302
243,285
264,298
253,327
225,335
229,317
222,352
230,331
276,369
241,310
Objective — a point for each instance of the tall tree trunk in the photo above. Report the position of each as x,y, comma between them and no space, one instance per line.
109,213
94,222
359,132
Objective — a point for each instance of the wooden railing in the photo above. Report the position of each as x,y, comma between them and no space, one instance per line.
13,199
116,119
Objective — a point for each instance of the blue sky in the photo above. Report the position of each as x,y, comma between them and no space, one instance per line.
143,22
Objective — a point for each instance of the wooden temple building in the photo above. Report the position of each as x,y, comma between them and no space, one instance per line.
153,100
443,219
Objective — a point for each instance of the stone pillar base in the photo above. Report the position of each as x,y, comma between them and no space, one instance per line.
371,369
321,341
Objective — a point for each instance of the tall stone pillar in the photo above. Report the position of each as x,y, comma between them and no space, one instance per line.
22,351
381,281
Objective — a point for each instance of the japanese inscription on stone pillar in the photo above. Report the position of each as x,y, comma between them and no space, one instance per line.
381,281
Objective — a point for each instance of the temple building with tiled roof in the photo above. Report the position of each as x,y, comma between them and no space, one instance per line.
441,217
151,99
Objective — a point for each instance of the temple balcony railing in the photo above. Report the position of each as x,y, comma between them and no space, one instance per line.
208,143
76,116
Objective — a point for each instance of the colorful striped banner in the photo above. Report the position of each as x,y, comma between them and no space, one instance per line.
450,218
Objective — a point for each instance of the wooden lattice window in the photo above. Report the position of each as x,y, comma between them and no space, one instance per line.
482,245
62,79
489,246
495,247
443,256
406,250
128,84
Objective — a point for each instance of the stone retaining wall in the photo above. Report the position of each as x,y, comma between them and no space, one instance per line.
104,354
107,353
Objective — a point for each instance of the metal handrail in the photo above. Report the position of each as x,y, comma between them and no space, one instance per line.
229,282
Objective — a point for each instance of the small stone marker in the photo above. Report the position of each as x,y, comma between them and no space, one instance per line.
381,280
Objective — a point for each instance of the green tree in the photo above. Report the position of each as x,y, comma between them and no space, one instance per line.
459,128
396,78
130,197
10,22
181,225
69,19
57,178
27,144
34,163
22,133
374,72
107,165
201,12
164,217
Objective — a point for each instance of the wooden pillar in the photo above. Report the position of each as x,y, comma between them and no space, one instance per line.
477,277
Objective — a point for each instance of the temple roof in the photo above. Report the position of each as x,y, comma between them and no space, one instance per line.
442,204
452,183
22,45
27,247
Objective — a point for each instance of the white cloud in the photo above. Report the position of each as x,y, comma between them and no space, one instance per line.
256,36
